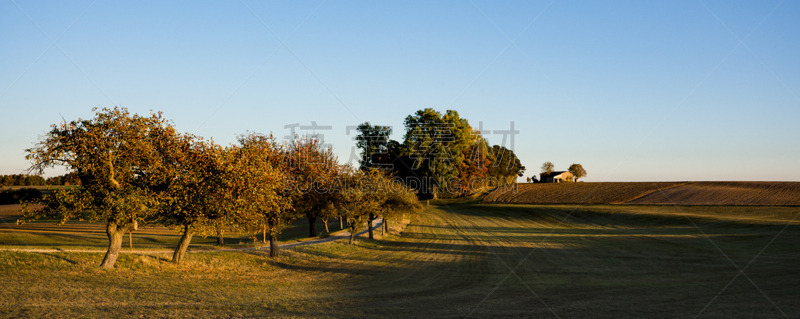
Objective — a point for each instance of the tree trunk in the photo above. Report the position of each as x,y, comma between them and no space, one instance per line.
273,246
264,237
369,225
352,234
114,234
312,225
273,241
341,226
325,221
220,239
383,229
183,244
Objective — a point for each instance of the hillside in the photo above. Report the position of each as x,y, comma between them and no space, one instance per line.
576,193
646,193
726,193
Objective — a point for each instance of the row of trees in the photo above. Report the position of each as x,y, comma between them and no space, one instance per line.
441,155
136,169
36,180
66,179
21,180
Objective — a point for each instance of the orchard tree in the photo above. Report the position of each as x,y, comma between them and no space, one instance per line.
313,170
118,159
577,171
362,198
333,200
399,200
194,189
258,187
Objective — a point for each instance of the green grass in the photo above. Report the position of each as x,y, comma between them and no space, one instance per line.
454,260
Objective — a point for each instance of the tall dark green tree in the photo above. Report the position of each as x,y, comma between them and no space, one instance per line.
436,144
373,140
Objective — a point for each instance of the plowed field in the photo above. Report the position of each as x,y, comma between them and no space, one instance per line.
576,193
649,193
726,193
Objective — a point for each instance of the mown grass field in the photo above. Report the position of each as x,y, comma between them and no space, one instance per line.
83,235
455,259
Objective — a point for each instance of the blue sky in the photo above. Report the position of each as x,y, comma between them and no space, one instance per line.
633,90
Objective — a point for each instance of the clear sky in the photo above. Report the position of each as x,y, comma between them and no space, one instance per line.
633,90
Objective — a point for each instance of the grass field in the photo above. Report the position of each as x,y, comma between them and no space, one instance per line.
75,235
455,260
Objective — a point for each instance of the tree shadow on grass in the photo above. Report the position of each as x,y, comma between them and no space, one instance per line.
61,258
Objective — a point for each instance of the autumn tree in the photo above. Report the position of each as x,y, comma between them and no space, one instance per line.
333,200
362,198
194,189
398,201
258,187
313,171
475,166
547,168
577,171
118,159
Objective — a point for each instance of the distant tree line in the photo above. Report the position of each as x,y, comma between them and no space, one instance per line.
36,180
135,170
21,180
66,179
441,155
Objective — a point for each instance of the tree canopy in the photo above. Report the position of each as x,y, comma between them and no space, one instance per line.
132,170
261,198
373,140
441,155
118,159
577,171
547,168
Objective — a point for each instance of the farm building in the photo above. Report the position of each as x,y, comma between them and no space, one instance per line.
555,177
